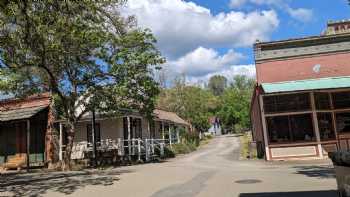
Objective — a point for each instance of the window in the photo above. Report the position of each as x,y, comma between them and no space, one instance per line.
325,124
341,100
287,103
322,101
343,122
292,128
136,127
89,132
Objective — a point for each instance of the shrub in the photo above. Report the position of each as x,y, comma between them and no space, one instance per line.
168,152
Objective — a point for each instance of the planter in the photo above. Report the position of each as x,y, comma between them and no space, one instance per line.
341,162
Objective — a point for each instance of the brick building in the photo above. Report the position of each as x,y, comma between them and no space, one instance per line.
301,103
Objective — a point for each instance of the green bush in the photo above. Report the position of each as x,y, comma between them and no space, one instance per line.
168,152
184,148
190,138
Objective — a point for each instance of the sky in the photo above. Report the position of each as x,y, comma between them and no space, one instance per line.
202,38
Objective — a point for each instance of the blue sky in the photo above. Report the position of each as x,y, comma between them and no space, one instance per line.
322,11
202,38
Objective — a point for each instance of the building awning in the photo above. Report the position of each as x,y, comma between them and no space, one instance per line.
19,114
170,117
310,84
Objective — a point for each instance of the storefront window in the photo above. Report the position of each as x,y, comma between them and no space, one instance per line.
343,122
287,103
291,128
325,124
322,101
341,100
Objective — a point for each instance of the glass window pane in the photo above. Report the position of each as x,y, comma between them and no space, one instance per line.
287,103
341,100
293,128
302,127
343,122
322,101
325,124
278,129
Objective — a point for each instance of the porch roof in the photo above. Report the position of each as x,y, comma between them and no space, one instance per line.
17,109
18,114
310,84
169,116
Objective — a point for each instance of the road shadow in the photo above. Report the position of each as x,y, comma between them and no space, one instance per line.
190,188
37,184
323,172
328,193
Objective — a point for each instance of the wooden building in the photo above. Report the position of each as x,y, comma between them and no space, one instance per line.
129,126
301,103
23,126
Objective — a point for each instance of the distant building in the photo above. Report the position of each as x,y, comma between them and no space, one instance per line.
215,127
301,103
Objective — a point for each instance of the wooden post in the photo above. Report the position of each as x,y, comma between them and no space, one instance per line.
93,129
170,141
28,144
129,137
163,132
178,135
61,142
315,121
149,129
263,121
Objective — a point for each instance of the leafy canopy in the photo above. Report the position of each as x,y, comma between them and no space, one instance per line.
84,52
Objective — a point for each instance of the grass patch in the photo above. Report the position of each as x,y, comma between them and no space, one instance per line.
247,151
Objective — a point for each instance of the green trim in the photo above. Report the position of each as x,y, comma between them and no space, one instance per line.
310,84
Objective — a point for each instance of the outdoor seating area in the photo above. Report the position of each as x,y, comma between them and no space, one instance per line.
16,162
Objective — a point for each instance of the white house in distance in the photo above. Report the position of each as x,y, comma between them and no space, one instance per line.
215,128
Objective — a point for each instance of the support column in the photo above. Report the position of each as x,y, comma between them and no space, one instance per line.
93,128
149,129
28,144
129,137
170,140
60,155
315,122
178,135
263,121
163,132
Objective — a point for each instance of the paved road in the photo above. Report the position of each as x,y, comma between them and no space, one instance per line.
212,171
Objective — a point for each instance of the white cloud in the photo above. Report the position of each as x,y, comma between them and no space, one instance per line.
237,3
181,26
203,61
300,14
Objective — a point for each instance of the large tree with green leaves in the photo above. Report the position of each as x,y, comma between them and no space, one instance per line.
217,84
235,103
192,103
83,52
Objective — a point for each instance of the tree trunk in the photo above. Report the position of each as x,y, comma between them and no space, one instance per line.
66,165
51,141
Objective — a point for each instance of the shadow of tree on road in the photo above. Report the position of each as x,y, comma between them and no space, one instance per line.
328,193
324,172
37,184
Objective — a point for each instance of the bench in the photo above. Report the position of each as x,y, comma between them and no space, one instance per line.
17,161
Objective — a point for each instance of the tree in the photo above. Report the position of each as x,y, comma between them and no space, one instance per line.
235,103
217,84
83,52
190,102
